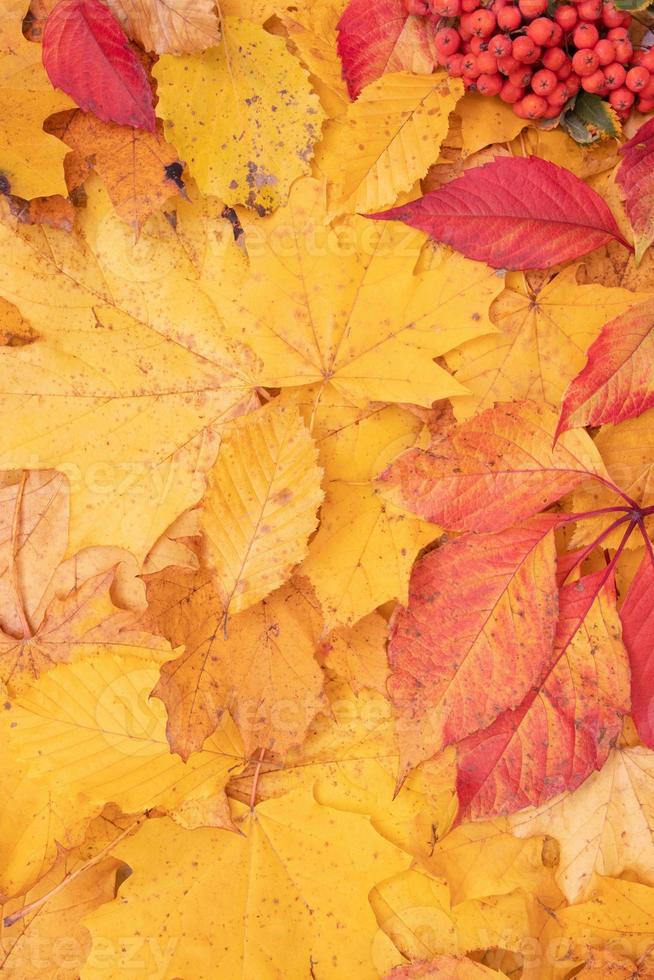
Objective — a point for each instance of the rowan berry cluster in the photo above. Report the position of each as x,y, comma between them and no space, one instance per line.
538,63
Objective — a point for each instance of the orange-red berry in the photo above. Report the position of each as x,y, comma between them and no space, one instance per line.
605,51
589,10
525,51
509,18
534,106
585,62
511,93
532,8
595,83
544,82
566,16
622,99
490,84
447,41
615,75
637,79
555,59
585,36
482,22
500,45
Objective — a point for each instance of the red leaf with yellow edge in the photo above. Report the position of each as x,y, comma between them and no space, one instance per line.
475,638
494,470
637,616
635,177
566,725
379,36
617,382
514,213
87,55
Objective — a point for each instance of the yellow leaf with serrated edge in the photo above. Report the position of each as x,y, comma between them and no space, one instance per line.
312,29
605,827
131,374
295,864
242,115
30,161
344,305
86,734
387,140
541,342
261,504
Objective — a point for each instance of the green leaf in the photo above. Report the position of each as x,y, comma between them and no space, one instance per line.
597,115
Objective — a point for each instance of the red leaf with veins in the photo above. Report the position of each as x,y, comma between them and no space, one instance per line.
637,616
617,382
494,470
513,213
378,36
476,636
87,55
565,727
635,177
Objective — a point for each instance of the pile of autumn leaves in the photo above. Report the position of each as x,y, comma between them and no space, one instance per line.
305,671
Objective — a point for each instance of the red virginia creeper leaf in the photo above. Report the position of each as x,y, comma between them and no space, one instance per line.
636,179
378,36
475,637
637,616
617,382
493,470
514,213
86,53
565,727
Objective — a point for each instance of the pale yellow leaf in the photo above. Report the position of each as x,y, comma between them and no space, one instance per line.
242,115
169,26
261,504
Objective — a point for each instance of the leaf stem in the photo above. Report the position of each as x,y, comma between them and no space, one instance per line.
19,914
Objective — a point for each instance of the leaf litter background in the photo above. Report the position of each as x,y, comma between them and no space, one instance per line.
299,678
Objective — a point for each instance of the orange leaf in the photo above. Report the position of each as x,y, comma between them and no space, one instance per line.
494,470
475,638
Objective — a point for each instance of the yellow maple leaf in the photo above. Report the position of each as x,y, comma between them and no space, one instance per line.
127,384
386,140
235,896
86,734
344,306
541,344
261,504
242,115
